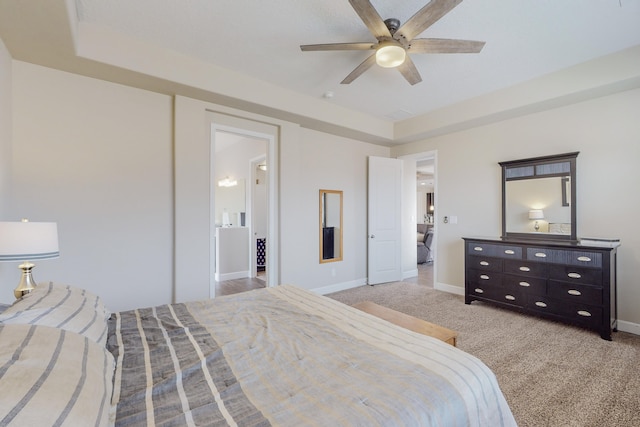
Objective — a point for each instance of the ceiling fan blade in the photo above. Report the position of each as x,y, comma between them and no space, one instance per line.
424,18
445,46
337,46
409,71
366,64
371,18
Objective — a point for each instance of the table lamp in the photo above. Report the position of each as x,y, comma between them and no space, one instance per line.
24,242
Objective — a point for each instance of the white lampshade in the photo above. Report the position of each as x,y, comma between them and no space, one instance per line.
390,55
28,241
536,214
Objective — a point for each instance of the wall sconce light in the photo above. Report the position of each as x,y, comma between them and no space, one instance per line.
536,214
24,242
262,166
227,182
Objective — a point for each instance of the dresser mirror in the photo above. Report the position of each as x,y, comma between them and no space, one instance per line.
330,226
539,198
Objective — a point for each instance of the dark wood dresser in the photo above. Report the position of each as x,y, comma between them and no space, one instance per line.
563,281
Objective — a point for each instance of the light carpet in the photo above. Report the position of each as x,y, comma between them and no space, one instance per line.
552,374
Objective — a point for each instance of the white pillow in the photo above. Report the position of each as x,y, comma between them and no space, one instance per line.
51,376
66,307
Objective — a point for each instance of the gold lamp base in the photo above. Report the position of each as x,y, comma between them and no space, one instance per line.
27,284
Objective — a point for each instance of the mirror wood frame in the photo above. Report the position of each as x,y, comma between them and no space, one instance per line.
328,254
540,167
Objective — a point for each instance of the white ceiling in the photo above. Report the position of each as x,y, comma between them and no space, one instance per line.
524,39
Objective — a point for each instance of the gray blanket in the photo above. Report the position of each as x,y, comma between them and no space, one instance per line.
284,356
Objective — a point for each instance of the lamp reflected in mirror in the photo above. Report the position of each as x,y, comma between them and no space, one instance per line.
536,214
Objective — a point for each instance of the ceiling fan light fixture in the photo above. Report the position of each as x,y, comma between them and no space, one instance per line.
390,55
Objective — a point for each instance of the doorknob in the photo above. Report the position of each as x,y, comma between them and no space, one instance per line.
373,236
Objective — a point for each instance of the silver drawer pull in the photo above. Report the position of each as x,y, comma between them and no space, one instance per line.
540,304
485,263
484,277
574,275
524,269
509,251
540,255
478,248
584,258
478,290
510,297
584,313
525,284
574,292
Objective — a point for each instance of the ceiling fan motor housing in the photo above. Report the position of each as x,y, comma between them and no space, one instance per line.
392,24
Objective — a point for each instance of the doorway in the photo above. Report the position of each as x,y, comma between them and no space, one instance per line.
241,155
423,190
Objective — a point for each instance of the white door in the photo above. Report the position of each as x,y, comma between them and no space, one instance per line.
384,220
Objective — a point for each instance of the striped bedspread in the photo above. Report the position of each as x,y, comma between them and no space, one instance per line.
284,356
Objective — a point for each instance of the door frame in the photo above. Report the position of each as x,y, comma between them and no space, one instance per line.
271,246
253,251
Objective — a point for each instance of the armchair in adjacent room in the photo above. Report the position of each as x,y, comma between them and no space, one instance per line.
425,237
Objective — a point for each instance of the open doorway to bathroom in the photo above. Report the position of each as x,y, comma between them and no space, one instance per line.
240,205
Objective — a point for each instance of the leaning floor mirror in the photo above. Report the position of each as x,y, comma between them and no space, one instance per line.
330,225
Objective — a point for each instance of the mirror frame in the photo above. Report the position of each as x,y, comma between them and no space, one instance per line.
321,204
539,167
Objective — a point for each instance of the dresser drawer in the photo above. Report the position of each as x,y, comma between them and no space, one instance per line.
485,263
499,294
525,268
528,285
575,292
587,276
495,250
484,278
582,314
562,256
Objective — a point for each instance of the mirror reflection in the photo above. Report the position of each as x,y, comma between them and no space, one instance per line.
538,206
330,225
230,202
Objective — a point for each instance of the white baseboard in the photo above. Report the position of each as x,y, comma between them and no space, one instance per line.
632,328
448,288
410,273
232,275
340,286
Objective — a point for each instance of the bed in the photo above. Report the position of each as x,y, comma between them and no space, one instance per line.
276,356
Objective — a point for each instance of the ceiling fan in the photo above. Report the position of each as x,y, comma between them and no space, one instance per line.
395,42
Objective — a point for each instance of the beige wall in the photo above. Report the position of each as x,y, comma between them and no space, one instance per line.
605,130
319,161
5,129
305,161
95,157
